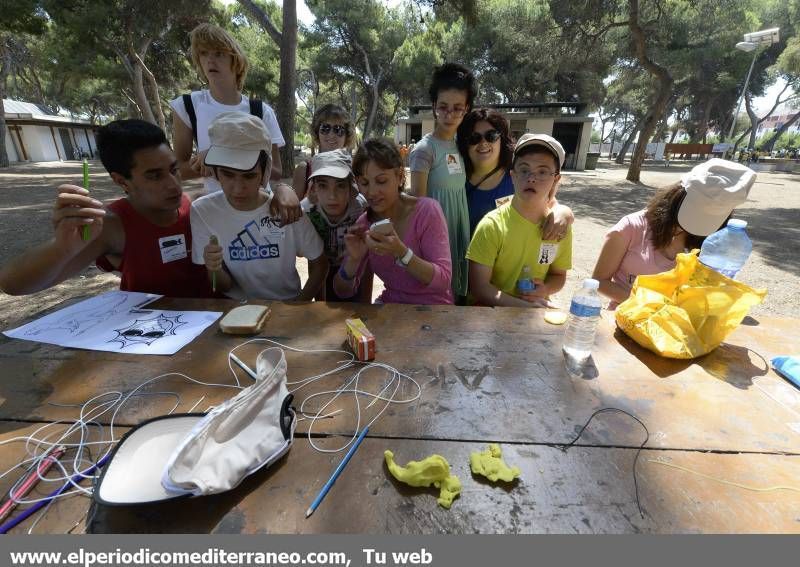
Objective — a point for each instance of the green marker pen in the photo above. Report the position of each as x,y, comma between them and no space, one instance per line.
213,240
85,186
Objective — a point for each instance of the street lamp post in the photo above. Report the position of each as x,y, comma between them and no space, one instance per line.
752,41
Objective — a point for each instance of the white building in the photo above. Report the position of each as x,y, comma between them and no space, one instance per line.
567,122
774,122
34,133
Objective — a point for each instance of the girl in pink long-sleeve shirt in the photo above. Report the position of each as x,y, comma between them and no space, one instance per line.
412,254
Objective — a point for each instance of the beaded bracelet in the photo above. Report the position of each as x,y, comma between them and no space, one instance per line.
344,275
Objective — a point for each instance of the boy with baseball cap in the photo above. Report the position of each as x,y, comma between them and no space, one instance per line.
253,256
509,239
338,205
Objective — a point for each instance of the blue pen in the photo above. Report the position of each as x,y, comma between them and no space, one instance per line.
337,472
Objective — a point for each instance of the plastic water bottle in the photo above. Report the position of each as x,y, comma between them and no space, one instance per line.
727,250
584,314
525,282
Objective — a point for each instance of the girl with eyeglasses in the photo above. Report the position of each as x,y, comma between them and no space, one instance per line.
330,130
437,168
485,143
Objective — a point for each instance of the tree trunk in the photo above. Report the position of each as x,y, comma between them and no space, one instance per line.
740,138
665,87
784,127
140,95
286,40
663,124
156,104
626,145
254,11
754,121
705,119
374,99
4,70
287,103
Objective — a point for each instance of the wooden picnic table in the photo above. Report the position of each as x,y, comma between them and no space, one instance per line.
487,376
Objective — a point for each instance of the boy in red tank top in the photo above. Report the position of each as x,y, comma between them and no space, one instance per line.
146,235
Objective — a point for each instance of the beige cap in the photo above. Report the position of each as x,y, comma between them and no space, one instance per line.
335,163
237,139
542,140
713,190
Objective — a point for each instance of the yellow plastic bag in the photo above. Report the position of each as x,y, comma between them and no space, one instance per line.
685,312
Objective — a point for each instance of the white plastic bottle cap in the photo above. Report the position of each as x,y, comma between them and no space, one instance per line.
737,223
589,283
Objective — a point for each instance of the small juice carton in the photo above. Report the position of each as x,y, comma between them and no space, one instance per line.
360,339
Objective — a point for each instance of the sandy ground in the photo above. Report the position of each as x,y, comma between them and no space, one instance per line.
599,198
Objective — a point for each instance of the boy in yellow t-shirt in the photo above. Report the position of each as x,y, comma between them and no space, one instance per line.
509,239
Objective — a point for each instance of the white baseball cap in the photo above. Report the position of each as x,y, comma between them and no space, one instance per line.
542,140
237,139
335,163
713,190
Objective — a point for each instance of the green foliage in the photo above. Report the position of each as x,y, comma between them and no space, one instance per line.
22,16
521,53
262,53
789,60
787,141
366,47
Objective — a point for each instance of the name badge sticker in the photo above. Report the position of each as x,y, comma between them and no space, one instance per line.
500,201
454,164
172,248
547,252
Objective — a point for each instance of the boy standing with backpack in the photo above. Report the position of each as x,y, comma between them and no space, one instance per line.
219,59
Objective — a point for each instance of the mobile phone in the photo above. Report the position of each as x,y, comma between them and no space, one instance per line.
382,227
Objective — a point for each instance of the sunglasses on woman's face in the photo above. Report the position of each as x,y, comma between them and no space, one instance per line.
338,129
490,136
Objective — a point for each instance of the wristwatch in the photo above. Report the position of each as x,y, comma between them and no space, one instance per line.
405,259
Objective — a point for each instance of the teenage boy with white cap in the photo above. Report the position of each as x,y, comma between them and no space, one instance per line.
338,206
509,238
677,219
255,256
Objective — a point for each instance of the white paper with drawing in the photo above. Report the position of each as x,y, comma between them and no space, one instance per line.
117,322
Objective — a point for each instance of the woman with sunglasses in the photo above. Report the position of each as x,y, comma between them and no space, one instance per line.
330,130
437,169
485,143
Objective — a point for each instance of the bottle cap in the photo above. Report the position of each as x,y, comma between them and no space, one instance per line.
589,283
737,223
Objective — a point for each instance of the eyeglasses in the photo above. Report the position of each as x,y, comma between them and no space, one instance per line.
450,111
537,174
491,136
338,129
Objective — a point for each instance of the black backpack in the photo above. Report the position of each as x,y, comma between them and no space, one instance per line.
256,109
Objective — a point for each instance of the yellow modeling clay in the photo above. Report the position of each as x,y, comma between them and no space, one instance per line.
450,489
433,470
489,463
555,317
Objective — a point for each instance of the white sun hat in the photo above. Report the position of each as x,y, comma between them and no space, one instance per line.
237,139
713,190
195,454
